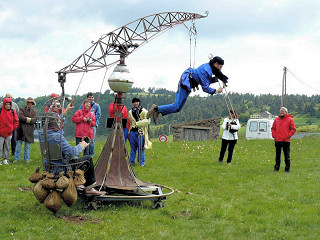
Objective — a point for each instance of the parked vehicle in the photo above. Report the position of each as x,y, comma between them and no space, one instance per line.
259,128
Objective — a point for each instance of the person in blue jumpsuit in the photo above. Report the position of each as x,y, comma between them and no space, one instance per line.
191,79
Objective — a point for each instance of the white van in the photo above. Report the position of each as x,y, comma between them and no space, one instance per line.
259,128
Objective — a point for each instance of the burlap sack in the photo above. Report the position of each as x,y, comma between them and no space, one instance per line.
62,182
69,195
53,201
44,174
79,178
36,176
48,183
39,192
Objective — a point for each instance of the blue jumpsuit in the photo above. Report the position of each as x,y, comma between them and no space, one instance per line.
202,75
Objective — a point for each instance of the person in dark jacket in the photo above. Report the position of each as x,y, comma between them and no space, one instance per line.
190,79
9,121
27,119
283,129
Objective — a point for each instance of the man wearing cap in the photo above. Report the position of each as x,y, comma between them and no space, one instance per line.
190,79
27,119
8,122
69,154
138,136
283,128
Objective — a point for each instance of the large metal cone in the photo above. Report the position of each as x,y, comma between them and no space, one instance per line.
113,169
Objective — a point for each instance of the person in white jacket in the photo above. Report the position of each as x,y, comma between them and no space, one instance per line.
230,128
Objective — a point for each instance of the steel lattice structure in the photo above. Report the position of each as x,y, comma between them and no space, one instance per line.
121,42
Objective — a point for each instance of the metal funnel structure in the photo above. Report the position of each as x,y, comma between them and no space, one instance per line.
113,169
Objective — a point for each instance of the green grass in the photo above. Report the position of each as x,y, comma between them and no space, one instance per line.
246,200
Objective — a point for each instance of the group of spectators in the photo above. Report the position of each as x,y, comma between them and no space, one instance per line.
17,127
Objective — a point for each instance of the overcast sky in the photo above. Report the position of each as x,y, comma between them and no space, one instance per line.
256,38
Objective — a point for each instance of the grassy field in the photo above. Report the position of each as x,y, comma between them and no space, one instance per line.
245,200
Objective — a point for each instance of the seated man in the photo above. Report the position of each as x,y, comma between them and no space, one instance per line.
55,136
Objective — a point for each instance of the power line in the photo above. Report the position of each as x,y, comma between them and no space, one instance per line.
303,81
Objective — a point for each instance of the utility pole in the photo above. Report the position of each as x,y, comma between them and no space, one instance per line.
284,88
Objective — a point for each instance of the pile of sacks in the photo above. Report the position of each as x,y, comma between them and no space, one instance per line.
49,188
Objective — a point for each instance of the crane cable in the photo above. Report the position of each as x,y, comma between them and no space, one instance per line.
226,98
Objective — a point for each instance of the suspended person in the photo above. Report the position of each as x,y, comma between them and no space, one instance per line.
96,110
190,79
112,111
85,121
230,127
138,136
69,153
8,122
283,128
14,133
25,132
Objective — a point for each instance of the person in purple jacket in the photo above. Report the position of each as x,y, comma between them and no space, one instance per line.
191,79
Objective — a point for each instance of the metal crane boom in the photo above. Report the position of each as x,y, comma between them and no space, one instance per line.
125,40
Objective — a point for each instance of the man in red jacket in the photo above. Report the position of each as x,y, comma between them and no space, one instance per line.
8,122
283,129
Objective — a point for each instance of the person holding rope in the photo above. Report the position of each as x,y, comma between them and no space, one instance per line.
230,127
96,110
190,79
138,136
85,121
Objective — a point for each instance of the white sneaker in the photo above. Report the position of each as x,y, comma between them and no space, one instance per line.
5,162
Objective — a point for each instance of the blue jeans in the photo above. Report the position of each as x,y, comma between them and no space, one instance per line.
134,145
181,98
27,148
91,146
125,134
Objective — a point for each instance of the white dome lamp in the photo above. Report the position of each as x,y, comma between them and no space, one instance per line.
120,80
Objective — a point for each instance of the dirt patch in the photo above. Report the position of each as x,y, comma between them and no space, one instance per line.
79,219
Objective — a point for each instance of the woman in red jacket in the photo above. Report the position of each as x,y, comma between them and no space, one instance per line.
84,120
9,121
282,130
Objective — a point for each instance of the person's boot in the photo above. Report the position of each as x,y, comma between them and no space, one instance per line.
152,110
155,117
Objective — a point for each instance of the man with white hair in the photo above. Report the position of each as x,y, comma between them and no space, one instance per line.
283,129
